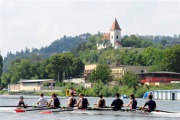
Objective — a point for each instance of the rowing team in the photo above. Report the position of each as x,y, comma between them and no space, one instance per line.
83,103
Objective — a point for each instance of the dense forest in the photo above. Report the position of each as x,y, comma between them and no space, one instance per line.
65,57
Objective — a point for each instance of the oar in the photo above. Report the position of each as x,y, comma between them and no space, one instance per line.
106,109
146,109
24,110
51,111
164,111
18,106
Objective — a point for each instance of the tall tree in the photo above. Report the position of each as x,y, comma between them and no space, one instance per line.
102,73
171,59
63,66
77,68
152,56
131,80
20,69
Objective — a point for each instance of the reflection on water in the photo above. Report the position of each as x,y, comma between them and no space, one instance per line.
11,100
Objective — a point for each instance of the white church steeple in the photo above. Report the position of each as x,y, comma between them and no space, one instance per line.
115,35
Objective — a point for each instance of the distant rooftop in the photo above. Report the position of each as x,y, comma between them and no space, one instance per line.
160,72
38,80
115,26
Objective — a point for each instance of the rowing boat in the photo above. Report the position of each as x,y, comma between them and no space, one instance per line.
105,112
34,109
95,111
124,112
166,114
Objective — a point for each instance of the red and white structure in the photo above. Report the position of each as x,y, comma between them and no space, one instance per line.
113,38
156,78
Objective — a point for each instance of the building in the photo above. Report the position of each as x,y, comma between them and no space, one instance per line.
88,70
157,78
79,81
112,39
31,85
117,71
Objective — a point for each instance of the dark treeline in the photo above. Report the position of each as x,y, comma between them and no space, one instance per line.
58,67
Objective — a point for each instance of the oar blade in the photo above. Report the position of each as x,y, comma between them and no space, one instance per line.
45,112
19,110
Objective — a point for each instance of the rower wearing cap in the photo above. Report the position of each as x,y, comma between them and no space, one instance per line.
42,102
82,102
55,101
132,103
21,102
151,103
72,101
101,102
117,103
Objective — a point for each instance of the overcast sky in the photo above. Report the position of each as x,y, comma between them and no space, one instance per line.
37,23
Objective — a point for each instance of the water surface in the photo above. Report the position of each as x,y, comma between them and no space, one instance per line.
11,100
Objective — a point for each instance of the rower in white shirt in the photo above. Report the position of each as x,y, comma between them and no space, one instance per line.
42,102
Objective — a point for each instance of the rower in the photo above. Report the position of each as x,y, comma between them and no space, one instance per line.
82,102
21,102
72,101
117,103
101,102
132,103
42,102
55,101
151,104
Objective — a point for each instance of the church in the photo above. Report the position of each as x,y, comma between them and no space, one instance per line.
112,39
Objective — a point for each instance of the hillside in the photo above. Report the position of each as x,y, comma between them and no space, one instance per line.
58,46
85,48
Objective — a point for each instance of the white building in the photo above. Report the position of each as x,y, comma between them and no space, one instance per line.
31,85
112,39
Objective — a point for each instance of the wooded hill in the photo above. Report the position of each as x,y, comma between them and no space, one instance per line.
64,44
37,63
81,45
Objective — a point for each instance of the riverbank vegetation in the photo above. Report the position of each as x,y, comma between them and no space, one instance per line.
109,91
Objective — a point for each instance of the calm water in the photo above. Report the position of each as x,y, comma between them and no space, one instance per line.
7,114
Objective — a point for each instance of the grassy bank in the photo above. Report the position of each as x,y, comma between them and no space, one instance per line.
3,92
106,90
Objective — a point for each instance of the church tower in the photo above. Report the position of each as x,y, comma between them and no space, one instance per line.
115,35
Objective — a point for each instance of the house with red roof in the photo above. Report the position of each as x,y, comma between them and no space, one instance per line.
112,39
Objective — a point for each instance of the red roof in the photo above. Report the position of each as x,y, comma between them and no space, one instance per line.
106,36
115,26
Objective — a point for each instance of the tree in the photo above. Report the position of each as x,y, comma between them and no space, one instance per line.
64,65
152,56
5,79
91,44
163,42
18,69
171,59
56,66
131,80
77,68
102,73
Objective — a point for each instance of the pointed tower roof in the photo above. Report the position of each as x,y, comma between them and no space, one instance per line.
115,25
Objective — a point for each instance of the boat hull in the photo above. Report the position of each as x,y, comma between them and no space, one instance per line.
126,113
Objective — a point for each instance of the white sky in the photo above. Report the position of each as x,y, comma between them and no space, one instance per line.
37,23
